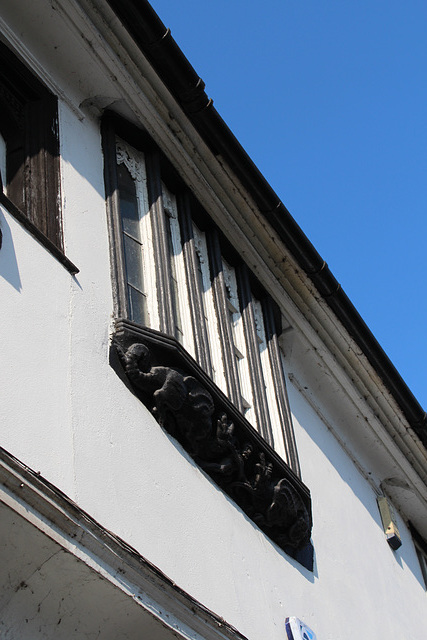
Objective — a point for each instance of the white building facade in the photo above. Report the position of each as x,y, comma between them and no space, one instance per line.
196,424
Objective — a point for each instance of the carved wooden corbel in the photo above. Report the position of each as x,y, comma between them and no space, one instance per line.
186,403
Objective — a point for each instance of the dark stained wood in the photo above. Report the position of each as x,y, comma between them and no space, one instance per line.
252,346
221,306
117,260
38,235
280,385
42,193
160,242
29,125
157,170
188,405
194,291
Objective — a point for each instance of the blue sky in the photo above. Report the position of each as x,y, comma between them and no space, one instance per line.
330,101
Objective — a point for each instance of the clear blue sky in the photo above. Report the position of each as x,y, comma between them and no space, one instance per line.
330,101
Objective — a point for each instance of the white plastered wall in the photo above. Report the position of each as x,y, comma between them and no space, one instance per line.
66,414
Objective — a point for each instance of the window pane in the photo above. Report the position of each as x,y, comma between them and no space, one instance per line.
239,343
134,266
3,160
132,246
269,385
128,203
174,286
138,306
174,250
137,240
178,282
204,280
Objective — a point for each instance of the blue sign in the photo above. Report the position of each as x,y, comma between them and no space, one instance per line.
297,630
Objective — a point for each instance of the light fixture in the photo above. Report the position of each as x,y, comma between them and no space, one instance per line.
388,518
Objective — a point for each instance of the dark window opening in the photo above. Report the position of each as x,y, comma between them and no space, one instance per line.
30,158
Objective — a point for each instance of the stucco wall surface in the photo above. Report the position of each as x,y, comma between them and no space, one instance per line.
66,413
35,318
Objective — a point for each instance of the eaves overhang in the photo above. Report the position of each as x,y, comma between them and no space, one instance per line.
158,46
64,574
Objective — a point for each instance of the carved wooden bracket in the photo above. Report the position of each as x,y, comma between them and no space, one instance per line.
188,405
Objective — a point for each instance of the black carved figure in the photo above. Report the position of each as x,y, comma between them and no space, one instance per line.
225,460
179,402
288,512
183,407
274,506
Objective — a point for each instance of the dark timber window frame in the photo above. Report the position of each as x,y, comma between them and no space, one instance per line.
30,190
192,380
421,550
191,217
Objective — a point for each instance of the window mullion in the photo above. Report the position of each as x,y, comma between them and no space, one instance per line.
255,367
200,332
221,305
115,226
160,242
181,302
280,386
3,163
232,334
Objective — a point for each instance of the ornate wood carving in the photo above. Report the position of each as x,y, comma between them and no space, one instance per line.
190,408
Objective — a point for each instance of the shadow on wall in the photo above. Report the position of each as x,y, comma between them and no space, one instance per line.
342,466
8,264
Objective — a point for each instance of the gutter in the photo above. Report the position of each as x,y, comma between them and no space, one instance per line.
156,43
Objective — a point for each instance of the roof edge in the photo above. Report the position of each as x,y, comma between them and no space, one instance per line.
52,512
156,43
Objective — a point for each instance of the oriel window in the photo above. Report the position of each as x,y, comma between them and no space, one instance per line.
176,273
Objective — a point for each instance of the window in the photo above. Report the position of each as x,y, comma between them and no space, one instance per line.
422,557
29,149
421,549
196,338
176,273
2,158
